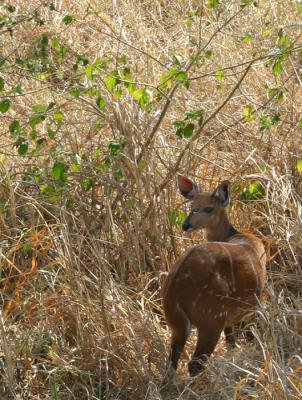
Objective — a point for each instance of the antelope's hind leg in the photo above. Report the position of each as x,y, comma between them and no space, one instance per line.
230,340
206,343
180,334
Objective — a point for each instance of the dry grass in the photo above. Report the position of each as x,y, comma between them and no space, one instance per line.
81,309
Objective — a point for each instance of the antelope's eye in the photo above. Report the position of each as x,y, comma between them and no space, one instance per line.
195,210
208,210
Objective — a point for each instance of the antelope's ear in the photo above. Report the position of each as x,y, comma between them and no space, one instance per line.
186,187
223,192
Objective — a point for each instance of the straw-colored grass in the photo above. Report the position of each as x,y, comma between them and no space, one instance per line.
81,273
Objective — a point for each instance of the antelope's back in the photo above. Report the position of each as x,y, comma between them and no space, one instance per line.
216,273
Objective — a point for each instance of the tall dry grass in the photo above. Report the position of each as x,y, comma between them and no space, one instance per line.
81,306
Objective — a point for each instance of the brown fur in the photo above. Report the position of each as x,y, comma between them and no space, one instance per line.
213,285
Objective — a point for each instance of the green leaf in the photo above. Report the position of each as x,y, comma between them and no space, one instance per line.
118,175
39,108
54,42
110,83
67,19
248,113
186,131
299,166
2,61
138,94
176,217
33,134
58,117
219,75
247,37
213,4
277,67
265,123
246,2
299,124
100,102
62,52
22,148
59,172
2,83
35,119
181,76
75,92
197,115
4,106
276,119
27,247
90,72
254,191
51,133
87,183
114,148
14,127
106,165
74,168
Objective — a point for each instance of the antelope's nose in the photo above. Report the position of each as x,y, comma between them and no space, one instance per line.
186,225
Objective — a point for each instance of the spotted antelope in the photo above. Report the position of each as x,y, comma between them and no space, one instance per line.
214,284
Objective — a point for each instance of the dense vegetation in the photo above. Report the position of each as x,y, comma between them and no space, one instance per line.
102,104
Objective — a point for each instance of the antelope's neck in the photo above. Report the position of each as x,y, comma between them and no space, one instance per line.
221,232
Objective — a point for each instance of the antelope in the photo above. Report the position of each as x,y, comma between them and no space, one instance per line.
214,284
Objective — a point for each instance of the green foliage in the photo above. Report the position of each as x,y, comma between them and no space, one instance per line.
14,127
100,102
27,247
58,117
299,166
277,93
175,74
176,217
254,191
185,129
59,172
265,123
75,92
213,4
67,19
246,2
4,105
87,183
219,75
278,67
115,148
2,83
248,113
247,37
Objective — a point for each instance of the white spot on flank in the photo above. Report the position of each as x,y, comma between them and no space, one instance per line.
205,286
199,295
201,260
194,303
209,311
211,292
187,275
